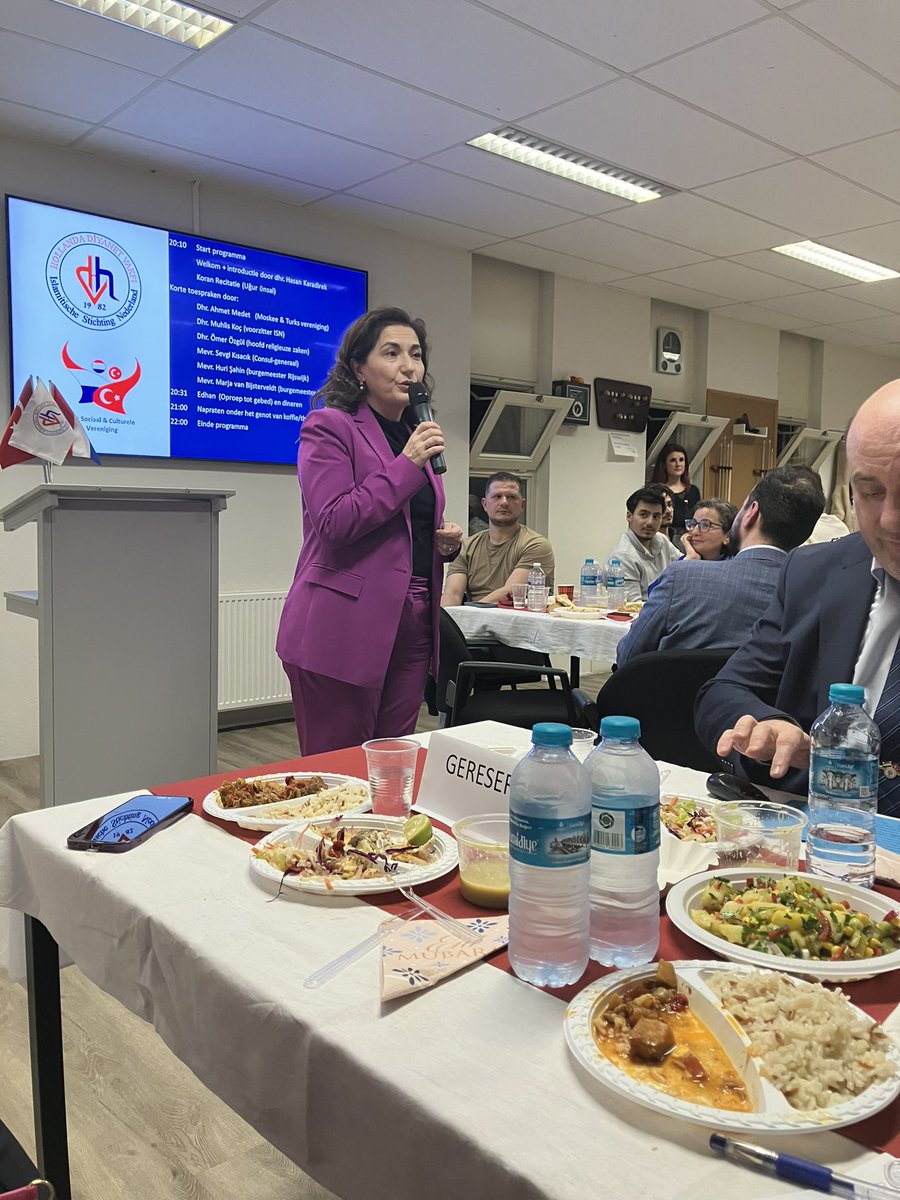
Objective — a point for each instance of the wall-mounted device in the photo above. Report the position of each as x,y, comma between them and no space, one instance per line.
668,352
580,394
622,405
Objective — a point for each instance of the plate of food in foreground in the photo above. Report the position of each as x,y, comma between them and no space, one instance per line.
733,1047
804,924
271,801
355,856
688,818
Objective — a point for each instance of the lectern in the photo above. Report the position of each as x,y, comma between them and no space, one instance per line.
127,605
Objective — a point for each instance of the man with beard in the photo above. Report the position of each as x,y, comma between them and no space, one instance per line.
490,562
643,551
714,605
834,619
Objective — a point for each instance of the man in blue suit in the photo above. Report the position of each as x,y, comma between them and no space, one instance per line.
834,618
714,605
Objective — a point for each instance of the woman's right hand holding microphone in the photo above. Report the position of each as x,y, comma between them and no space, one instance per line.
426,441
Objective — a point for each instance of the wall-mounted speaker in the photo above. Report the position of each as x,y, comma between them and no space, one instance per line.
668,352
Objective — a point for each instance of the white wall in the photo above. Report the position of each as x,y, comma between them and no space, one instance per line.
742,357
849,375
505,321
260,530
796,356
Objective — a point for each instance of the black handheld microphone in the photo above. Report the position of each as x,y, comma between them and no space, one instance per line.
421,406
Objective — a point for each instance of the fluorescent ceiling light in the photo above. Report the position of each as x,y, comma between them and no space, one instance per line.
569,164
178,22
835,260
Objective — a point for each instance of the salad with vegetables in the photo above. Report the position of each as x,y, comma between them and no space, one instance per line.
688,819
344,851
792,916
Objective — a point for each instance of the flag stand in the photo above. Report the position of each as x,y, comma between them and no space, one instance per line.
48,471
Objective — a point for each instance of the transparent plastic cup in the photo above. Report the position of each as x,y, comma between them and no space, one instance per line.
537,599
583,742
756,834
391,767
519,594
483,843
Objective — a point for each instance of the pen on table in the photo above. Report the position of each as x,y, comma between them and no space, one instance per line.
800,1170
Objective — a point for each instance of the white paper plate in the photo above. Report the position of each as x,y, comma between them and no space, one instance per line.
685,896
574,615
406,873
772,1112
255,816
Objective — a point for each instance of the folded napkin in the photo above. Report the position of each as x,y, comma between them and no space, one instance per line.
418,954
505,601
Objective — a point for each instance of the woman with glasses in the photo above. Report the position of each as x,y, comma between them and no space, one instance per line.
672,470
708,532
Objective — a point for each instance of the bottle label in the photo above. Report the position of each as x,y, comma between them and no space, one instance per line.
549,841
842,774
625,831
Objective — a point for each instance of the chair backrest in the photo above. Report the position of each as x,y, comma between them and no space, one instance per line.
659,689
454,650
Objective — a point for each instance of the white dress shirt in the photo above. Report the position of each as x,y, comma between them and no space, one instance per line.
880,638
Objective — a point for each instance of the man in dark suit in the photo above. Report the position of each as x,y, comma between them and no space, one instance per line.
714,605
834,619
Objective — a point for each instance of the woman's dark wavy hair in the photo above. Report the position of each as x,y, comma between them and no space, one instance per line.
660,474
341,388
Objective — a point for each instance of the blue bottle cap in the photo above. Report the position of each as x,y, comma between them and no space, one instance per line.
550,733
846,693
588,560
624,729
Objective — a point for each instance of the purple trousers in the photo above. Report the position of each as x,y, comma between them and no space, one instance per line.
332,714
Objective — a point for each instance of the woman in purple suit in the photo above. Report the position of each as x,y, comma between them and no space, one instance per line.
360,625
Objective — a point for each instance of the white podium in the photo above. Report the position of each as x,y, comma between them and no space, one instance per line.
127,607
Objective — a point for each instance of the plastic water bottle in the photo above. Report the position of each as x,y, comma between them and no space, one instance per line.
549,861
843,789
624,846
537,599
590,582
615,583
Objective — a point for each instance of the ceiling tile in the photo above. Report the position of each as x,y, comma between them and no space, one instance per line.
827,308
887,328
885,294
757,315
724,278
188,164
104,39
201,123
352,208
599,241
800,196
629,35
879,244
21,121
319,91
434,193
550,260
448,47
700,223
784,85
874,162
503,172
45,76
659,289
633,126
869,30
842,334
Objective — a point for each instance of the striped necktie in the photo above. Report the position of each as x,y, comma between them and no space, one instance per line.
887,718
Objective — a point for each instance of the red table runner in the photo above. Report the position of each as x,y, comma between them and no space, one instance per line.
878,997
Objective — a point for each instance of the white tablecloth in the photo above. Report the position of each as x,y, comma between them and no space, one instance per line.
463,1090
541,631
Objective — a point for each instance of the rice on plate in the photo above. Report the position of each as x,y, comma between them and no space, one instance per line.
810,1042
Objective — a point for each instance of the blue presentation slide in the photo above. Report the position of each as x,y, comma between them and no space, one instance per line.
168,345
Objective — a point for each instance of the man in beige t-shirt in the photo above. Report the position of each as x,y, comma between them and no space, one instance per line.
490,562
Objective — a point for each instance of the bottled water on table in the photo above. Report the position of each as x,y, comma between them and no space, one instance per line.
549,850
624,846
537,583
843,789
615,583
590,582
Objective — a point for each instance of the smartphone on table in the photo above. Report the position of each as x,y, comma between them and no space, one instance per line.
130,823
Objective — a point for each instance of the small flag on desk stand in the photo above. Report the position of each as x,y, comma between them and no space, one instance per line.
43,426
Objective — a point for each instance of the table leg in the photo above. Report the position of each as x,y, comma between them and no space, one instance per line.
48,1085
575,671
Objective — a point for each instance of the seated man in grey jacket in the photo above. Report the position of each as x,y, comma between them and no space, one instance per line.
714,605
643,551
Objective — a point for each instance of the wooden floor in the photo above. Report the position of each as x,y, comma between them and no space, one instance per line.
141,1126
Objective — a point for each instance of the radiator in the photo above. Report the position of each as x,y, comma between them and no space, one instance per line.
249,669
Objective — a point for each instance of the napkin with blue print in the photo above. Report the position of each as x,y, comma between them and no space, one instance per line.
418,954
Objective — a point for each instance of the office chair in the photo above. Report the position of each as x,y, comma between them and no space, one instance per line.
470,689
659,688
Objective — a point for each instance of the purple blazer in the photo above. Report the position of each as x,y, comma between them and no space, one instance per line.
341,615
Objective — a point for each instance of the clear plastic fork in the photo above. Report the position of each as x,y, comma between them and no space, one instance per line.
360,950
463,932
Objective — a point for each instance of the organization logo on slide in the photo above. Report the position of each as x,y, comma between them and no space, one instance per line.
105,386
93,280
